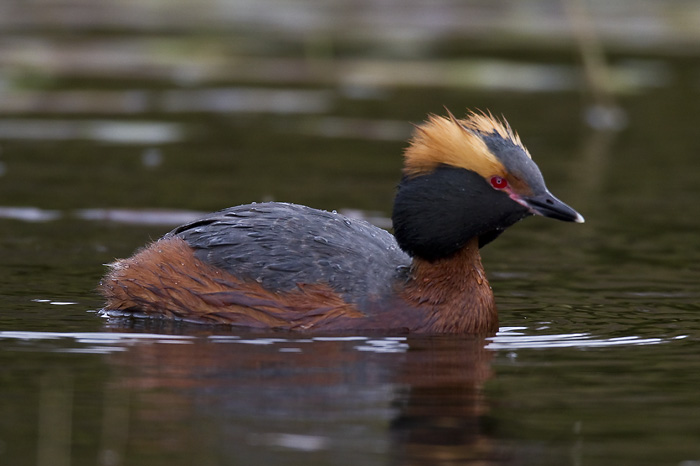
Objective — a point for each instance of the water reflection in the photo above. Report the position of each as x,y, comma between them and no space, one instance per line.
284,399
417,399
257,399
247,100
118,132
164,217
29,214
439,420
140,216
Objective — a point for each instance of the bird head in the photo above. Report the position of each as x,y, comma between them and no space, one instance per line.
466,178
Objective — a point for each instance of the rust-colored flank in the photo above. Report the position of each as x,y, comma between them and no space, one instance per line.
166,279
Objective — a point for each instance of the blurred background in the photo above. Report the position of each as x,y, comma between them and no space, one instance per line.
120,119
201,105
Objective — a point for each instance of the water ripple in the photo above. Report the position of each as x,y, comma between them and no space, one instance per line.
97,342
512,338
508,338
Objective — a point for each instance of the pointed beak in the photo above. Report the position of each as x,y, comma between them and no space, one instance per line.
549,206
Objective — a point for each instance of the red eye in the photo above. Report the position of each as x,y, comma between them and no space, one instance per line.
499,183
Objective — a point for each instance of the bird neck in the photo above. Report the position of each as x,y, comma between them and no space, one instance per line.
455,292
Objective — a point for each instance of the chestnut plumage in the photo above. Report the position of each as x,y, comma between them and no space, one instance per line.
285,266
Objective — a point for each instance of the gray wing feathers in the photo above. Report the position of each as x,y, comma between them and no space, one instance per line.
282,245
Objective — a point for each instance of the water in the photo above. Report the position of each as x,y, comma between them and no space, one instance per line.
143,117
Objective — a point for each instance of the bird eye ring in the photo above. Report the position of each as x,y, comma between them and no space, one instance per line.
499,182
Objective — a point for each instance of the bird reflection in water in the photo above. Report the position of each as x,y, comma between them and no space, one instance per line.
338,400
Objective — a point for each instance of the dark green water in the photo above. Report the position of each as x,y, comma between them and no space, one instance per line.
113,137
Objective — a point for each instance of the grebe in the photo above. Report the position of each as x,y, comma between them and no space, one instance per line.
284,266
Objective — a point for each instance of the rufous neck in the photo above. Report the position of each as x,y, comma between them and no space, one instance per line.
455,292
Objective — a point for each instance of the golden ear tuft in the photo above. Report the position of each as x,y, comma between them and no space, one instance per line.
458,143
487,124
